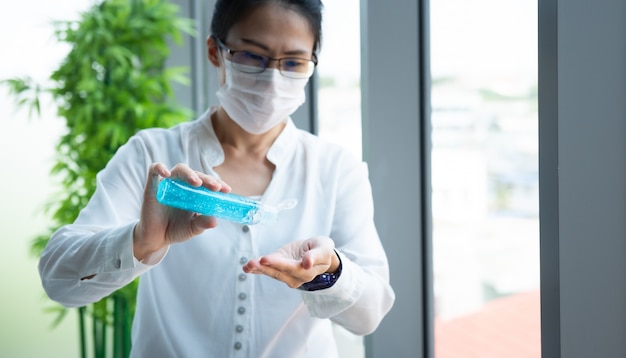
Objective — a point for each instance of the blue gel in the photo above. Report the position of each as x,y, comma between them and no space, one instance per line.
231,207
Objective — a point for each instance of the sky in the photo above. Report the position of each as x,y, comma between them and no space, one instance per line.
483,37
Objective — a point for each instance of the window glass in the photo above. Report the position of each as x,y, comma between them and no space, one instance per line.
485,178
339,71
339,103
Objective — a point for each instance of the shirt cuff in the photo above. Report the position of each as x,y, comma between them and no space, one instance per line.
119,247
343,294
153,259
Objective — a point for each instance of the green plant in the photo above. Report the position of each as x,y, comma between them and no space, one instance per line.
113,82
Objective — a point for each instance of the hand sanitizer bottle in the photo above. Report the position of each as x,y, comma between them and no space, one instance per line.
231,207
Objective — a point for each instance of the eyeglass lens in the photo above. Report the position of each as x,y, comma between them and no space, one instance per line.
291,67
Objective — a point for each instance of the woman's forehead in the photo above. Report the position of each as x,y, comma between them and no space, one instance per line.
274,27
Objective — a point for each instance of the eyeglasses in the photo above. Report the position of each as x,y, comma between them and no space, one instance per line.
250,62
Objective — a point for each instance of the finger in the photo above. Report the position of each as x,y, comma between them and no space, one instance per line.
159,169
280,262
293,277
257,266
185,173
252,266
155,172
212,183
201,223
292,268
308,261
316,257
196,178
281,276
318,251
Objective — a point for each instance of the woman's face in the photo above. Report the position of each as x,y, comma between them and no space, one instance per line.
273,31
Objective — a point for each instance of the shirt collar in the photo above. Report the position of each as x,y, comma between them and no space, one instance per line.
211,149
213,153
283,146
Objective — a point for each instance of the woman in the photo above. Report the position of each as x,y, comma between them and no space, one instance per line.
214,288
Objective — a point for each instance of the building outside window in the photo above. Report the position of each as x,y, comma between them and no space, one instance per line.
485,198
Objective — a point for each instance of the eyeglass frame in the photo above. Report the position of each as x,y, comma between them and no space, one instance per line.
231,52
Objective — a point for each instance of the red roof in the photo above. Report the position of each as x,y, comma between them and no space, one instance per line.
506,327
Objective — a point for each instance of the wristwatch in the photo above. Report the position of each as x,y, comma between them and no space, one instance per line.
325,280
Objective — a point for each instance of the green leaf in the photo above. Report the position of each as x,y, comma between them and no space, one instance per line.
25,93
60,311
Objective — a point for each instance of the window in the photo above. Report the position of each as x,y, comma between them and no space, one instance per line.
485,178
339,103
339,71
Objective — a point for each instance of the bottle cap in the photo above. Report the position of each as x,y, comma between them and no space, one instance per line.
269,214
266,215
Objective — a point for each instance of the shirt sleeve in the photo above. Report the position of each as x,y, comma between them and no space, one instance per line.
362,295
92,257
83,264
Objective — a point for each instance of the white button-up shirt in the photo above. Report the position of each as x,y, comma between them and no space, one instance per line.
194,300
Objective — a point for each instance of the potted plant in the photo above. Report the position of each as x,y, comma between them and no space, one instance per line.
112,83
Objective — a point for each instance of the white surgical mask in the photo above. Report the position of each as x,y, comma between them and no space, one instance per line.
259,101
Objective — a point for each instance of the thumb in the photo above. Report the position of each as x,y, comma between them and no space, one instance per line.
318,252
314,257
156,171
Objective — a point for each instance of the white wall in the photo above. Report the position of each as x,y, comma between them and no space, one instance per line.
26,154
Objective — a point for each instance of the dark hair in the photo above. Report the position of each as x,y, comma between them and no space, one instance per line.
228,12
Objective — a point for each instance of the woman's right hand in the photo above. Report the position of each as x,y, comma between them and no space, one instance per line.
160,225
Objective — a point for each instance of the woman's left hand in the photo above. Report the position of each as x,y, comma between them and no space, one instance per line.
297,262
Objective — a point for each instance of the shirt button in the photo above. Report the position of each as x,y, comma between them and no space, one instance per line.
242,277
242,296
239,328
245,228
237,346
243,260
117,263
241,310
